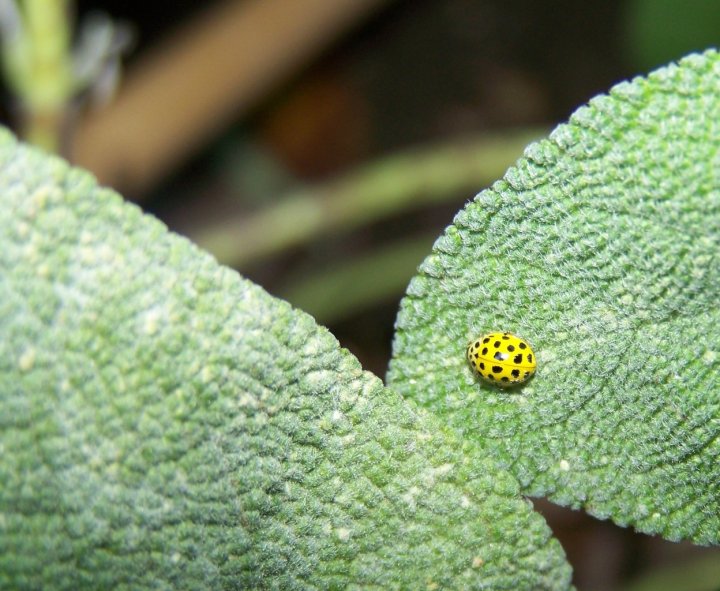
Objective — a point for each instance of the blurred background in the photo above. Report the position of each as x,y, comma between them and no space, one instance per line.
320,146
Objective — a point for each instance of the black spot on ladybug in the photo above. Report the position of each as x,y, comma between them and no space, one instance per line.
477,355
504,379
496,344
522,345
496,369
500,356
529,357
505,337
486,339
515,373
527,373
477,344
490,376
517,358
510,348
484,351
482,366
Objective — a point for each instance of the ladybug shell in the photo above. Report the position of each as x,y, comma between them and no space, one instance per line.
502,358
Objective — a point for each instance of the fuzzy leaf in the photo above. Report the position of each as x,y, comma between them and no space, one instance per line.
165,424
601,248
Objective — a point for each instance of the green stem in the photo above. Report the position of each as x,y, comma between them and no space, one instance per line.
356,285
39,69
389,186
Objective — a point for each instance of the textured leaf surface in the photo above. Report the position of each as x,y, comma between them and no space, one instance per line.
601,248
165,424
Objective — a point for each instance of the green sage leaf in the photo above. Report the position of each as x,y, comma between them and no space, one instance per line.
600,247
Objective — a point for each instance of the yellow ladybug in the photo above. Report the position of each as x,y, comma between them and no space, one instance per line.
502,358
